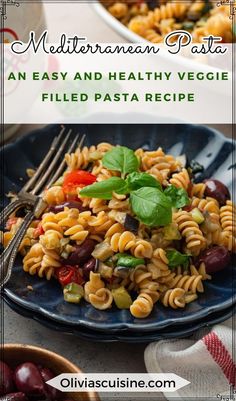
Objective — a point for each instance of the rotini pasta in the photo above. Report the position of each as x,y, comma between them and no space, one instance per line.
134,245
190,230
154,21
102,299
142,306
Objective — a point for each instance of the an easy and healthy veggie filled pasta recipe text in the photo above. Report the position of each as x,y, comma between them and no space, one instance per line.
129,228
154,19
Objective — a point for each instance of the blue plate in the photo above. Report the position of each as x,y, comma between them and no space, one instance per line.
128,337
207,146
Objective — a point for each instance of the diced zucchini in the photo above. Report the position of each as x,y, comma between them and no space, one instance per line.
73,293
117,216
102,251
122,298
197,215
105,270
171,232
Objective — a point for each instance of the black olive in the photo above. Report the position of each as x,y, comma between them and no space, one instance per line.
28,380
217,190
6,379
14,397
81,254
89,266
215,258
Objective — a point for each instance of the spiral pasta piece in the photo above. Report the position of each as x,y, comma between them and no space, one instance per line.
170,10
142,306
198,190
41,261
67,218
209,205
102,299
200,271
153,36
93,285
139,274
116,228
220,25
122,242
80,159
118,10
181,179
33,259
54,195
77,233
51,261
228,240
174,298
227,214
158,263
142,249
97,205
51,239
190,230
119,202
49,222
188,283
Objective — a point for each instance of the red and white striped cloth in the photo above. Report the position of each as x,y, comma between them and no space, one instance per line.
205,359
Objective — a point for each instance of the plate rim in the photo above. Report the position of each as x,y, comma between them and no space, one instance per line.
118,337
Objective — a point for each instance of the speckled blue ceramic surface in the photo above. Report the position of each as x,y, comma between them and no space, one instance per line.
200,143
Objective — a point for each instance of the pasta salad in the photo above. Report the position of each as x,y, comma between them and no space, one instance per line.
153,20
129,228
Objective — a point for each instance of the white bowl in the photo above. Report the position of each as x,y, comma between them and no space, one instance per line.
132,37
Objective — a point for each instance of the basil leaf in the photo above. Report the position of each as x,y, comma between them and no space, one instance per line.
139,180
151,206
104,189
176,258
177,196
121,159
123,259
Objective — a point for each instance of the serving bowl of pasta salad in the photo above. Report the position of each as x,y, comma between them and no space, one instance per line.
138,232
153,20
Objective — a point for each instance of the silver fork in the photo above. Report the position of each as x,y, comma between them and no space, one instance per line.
29,196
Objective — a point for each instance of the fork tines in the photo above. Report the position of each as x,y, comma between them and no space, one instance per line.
53,164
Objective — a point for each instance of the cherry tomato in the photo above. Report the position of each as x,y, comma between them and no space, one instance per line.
77,178
69,274
38,231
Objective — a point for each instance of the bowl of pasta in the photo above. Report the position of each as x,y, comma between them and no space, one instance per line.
152,20
138,231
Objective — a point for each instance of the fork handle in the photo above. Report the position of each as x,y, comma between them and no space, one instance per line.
12,207
8,256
